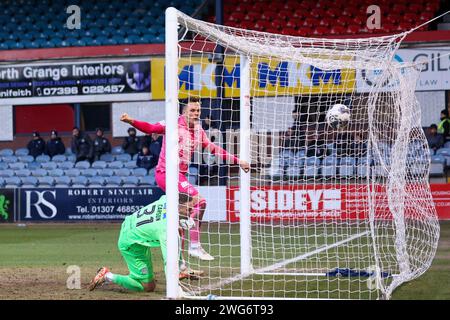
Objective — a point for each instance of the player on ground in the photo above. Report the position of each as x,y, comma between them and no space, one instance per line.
145,229
191,136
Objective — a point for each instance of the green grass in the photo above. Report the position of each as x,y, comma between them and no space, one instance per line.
50,248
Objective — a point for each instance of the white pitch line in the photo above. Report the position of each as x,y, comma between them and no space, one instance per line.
278,265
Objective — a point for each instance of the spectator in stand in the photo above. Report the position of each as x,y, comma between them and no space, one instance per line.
101,144
443,127
149,155
131,144
435,140
55,145
36,147
145,159
81,145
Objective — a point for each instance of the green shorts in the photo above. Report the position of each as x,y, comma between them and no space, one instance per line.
139,261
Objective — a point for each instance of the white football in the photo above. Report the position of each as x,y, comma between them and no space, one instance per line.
338,116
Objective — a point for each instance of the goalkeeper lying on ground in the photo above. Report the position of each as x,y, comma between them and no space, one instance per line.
145,229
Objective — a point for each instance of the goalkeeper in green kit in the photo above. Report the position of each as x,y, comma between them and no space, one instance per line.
145,229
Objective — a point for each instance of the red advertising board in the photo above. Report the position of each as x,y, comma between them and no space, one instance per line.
320,202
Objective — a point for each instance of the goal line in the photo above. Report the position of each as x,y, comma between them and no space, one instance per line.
266,270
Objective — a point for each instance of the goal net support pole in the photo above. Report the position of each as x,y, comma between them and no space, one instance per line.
245,223
171,140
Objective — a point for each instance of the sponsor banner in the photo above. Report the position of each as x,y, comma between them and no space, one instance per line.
80,81
434,74
327,202
441,197
83,204
269,78
7,205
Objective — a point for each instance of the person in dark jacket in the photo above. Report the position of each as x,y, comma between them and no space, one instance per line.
55,145
131,144
435,140
36,147
145,159
81,145
101,144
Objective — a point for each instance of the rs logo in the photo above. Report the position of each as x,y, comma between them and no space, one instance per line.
40,202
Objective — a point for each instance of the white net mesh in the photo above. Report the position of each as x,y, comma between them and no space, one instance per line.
334,213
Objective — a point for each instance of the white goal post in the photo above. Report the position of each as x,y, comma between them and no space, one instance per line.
324,213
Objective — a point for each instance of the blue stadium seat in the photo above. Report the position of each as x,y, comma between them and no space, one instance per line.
106,172
99,164
17,165
63,182
79,181
140,172
130,181
3,166
122,172
23,173
66,165
97,180
193,170
29,182
26,159
125,157
113,181
56,173
34,165
46,182
13,182
6,173
49,165
329,166
73,172
115,165
312,165
90,172
292,172
59,158
21,152
39,173
2,182
445,152
83,165
145,181
43,158
130,164
437,166
10,159
363,167
192,180
107,157
68,151
347,167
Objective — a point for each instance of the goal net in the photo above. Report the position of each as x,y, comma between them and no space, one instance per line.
324,213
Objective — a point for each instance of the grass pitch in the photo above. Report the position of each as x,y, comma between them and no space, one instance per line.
34,262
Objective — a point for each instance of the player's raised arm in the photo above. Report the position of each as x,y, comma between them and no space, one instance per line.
145,127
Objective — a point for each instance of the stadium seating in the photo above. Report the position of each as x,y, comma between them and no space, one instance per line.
437,166
111,23
318,18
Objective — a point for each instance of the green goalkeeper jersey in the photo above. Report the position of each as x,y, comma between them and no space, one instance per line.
147,226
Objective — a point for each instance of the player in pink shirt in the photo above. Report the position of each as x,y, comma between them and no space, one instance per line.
191,136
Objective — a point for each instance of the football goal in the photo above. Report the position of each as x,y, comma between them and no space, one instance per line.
327,211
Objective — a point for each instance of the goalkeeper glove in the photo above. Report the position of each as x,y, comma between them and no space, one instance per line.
187,224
